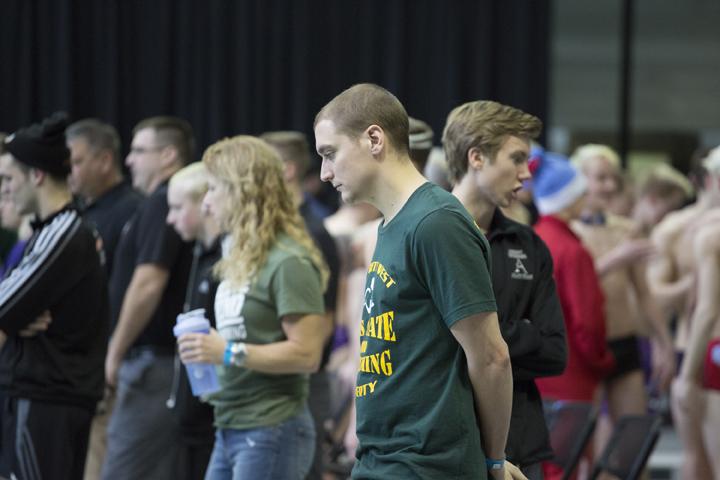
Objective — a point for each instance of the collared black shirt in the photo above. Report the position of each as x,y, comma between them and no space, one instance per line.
109,213
147,239
532,325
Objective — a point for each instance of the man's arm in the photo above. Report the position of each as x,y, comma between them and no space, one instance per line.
707,310
546,322
663,281
663,355
489,369
55,263
142,297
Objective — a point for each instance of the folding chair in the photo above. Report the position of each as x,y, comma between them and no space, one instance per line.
632,441
571,425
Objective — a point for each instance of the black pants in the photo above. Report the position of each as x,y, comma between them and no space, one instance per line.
193,460
43,441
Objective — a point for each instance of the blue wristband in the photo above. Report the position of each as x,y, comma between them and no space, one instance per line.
227,358
493,464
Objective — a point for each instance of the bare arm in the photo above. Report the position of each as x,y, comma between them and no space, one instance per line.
300,352
707,310
663,281
663,361
490,374
3,338
142,297
629,251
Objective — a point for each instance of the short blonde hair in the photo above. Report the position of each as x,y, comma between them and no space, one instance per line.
584,154
193,180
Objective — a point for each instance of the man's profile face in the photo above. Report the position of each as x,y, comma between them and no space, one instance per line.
502,178
85,168
184,214
16,186
346,163
144,159
602,182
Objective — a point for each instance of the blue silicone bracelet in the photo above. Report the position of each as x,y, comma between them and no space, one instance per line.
228,354
492,464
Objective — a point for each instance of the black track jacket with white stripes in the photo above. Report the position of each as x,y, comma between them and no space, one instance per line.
61,271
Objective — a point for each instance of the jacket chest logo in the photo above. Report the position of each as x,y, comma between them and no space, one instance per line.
520,272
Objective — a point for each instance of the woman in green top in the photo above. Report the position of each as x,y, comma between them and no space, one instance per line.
269,313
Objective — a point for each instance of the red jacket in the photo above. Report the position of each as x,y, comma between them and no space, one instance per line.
582,302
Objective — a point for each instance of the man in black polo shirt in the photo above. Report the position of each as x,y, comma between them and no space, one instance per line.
152,265
96,178
52,380
487,146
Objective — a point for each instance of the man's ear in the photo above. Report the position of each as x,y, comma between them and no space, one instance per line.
290,171
37,176
476,159
169,155
107,162
376,135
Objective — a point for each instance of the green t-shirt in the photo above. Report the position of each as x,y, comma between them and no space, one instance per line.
287,284
415,411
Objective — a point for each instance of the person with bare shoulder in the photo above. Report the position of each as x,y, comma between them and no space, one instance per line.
671,277
620,256
696,390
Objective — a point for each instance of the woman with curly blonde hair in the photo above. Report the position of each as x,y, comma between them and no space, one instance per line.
269,313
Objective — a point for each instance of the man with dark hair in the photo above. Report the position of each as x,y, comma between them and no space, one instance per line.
51,381
96,178
147,288
487,146
434,387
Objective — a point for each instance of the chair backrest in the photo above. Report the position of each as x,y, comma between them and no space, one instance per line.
571,425
632,441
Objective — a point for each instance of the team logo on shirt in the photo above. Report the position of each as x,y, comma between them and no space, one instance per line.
520,272
378,327
229,302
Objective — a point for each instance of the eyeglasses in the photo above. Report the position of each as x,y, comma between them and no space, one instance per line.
144,150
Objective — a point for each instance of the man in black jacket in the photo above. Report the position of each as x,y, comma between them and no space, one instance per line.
487,147
51,381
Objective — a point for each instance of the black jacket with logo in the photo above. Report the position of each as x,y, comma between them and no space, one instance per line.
532,325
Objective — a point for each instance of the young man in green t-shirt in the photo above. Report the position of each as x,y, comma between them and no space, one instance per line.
434,385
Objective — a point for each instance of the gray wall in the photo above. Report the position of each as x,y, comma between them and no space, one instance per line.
676,74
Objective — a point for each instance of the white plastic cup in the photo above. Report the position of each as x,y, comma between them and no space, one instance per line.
203,377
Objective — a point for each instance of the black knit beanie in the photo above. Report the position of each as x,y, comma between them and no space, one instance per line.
42,146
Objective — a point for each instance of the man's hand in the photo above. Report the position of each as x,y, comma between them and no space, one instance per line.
202,347
663,365
112,365
41,324
687,395
509,472
632,251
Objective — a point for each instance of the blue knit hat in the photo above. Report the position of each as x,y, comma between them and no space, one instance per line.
557,184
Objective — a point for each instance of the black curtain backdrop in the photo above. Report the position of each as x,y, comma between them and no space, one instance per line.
246,66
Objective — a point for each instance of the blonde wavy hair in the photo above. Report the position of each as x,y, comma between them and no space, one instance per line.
261,207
